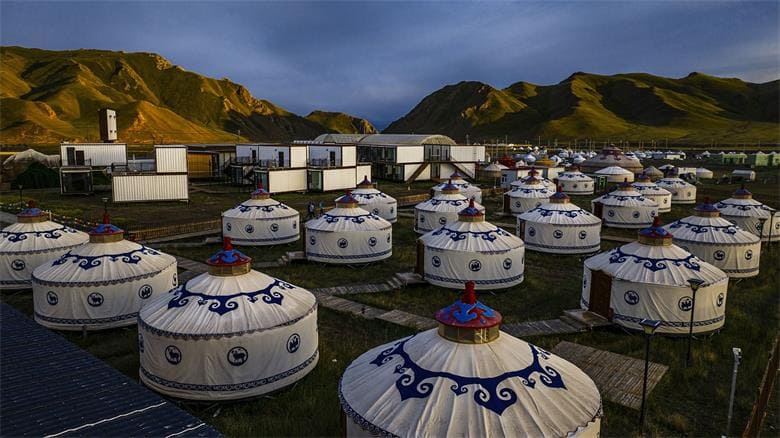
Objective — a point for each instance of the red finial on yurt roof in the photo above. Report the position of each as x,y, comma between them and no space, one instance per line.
106,218
227,244
470,293
467,320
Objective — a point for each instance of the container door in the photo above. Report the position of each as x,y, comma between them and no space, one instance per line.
600,293
80,158
332,158
71,154
281,159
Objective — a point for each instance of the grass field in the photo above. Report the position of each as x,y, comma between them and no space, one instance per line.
687,401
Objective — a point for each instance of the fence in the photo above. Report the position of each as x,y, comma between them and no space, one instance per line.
758,412
174,230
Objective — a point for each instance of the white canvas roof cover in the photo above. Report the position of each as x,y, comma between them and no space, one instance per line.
559,226
467,189
613,170
30,242
261,220
435,385
574,182
441,209
229,333
625,207
375,201
751,215
653,171
682,192
101,284
704,173
649,189
348,234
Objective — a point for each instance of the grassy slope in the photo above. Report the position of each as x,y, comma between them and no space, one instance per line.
341,123
626,106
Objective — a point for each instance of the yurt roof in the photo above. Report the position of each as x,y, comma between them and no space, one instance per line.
446,202
347,216
471,236
613,170
435,384
673,181
652,170
706,226
743,204
261,206
565,213
661,264
627,197
213,306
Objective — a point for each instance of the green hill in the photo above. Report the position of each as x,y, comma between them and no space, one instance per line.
635,106
49,96
341,123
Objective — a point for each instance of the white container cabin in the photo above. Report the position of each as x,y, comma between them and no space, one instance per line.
168,180
95,155
279,167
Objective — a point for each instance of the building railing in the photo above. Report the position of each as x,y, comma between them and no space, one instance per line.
265,164
323,162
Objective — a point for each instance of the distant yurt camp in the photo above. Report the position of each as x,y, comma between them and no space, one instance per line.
751,215
575,183
227,334
348,234
467,378
464,187
717,241
102,284
371,199
650,190
648,279
560,227
261,221
471,249
441,209
523,197
30,242
625,207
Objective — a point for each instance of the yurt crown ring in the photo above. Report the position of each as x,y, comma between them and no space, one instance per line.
468,321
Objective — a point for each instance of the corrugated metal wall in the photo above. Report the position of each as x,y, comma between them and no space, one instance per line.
96,154
280,181
135,188
171,159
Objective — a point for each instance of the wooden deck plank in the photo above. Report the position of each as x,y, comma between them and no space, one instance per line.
408,319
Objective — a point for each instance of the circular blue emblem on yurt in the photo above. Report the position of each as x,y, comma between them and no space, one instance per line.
531,231
175,279
95,299
237,356
140,342
475,265
442,220
372,241
685,304
748,254
312,240
422,218
274,227
631,297
375,211
343,243
52,298
574,186
392,210
611,213
507,264
228,226
583,234
172,354
145,291
436,261
389,236
652,213
17,265
249,228
295,225
721,298
293,343
719,255
635,215
517,204
557,234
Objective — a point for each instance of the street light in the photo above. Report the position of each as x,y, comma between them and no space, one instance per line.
695,284
649,327
737,352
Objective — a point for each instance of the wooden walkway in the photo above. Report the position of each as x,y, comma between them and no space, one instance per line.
618,377
191,265
541,328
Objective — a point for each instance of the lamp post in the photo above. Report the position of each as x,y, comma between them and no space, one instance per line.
737,359
695,284
21,201
649,327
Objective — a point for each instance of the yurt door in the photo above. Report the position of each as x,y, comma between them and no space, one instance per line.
600,293
598,209
506,205
521,229
420,257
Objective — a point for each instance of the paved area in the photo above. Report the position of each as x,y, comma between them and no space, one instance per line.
53,388
618,377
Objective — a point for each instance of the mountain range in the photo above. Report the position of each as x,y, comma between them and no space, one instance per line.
50,96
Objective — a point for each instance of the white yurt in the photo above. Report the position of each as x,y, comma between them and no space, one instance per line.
615,174
523,197
654,173
465,188
102,284
574,183
625,208
471,249
467,378
442,209
649,189
682,192
261,221
579,159
704,173
612,157
529,158
717,241
751,215
30,242
560,227
666,167
227,334
533,173
371,199
348,234
648,279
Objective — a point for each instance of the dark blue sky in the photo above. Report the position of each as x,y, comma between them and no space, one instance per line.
377,60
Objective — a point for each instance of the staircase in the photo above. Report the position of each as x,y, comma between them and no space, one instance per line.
417,173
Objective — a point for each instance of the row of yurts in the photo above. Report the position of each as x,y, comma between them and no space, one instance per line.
234,332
